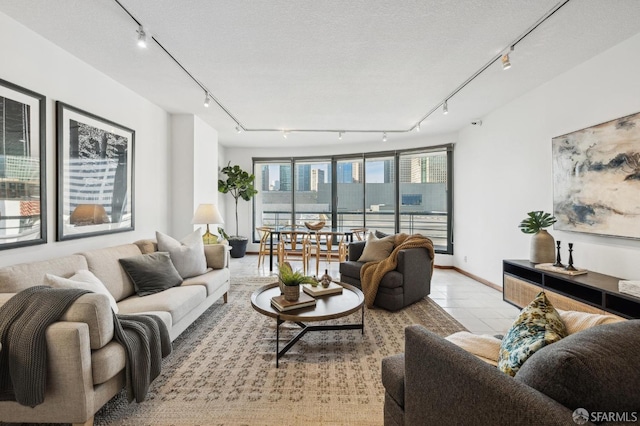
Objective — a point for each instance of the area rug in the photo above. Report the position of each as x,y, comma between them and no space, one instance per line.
223,371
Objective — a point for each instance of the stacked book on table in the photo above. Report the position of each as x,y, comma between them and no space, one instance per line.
307,297
319,290
283,305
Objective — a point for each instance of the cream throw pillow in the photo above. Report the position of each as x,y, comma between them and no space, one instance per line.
186,255
577,321
377,248
83,279
485,347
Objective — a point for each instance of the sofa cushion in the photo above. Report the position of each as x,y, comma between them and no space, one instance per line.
187,255
107,362
178,301
576,321
151,273
483,346
16,278
104,265
537,326
94,310
377,249
212,280
596,369
84,280
393,377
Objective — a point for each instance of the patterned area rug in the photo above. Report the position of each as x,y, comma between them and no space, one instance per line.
222,370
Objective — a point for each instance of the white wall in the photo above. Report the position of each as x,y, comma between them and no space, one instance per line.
503,169
243,157
194,174
31,61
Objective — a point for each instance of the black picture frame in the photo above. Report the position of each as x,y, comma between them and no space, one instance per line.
23,184
95,171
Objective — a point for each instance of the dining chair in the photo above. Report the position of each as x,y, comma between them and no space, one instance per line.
359,233
265,234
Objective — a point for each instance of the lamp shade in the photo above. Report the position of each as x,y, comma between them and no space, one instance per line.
206,214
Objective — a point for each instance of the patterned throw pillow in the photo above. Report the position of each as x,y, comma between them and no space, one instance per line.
537,326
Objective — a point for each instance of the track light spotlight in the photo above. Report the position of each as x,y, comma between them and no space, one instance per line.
238,129
285,134
418,127
142,38
445,108
506,63
207,100
339,136
384,137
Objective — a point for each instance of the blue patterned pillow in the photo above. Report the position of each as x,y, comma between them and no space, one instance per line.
538,325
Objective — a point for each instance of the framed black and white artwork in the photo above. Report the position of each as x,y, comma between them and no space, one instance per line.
23,207
95,174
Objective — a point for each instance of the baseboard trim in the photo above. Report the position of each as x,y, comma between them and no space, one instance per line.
477,278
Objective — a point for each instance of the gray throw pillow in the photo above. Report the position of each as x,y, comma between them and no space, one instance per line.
187,255
377,249
596,369
380,234
151,273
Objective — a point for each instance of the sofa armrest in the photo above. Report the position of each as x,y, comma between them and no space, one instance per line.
217,255
355,250
444,384
69,394
415,266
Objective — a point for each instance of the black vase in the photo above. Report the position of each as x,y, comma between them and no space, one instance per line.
238,247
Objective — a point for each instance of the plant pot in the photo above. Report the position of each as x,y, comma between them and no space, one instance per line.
238,247
291,292
542,248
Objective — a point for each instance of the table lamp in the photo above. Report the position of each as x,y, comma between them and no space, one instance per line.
204,215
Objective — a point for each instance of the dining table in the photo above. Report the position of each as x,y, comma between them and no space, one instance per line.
334,232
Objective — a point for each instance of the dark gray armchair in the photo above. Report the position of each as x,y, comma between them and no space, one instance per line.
408,283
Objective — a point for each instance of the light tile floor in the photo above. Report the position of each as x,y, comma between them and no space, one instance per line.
476,306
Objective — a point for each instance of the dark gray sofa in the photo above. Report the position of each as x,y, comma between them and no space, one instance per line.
408,283
437,382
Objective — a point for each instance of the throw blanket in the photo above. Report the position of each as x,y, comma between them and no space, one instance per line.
372,273
146,341
23,359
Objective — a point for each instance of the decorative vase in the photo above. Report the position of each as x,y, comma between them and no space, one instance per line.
542,248
291,292
325,280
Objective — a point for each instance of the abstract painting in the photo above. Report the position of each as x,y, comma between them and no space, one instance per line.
22,167
596,179
95,174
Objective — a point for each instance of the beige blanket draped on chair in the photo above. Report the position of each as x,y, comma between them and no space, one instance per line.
372,272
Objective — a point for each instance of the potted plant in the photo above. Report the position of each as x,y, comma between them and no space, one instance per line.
239,184
290,281
542,243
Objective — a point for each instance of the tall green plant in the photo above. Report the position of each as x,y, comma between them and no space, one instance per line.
536,221
239,184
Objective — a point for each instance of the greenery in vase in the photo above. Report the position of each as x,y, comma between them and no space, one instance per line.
289,277
536,221
239,184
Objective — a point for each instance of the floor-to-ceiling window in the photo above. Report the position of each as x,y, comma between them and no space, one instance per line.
401,191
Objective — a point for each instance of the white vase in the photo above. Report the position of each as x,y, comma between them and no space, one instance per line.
542,248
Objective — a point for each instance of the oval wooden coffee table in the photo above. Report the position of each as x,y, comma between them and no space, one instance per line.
327,307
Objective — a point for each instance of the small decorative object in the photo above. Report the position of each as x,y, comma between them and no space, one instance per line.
570,267
558,263
542,243
314,226
290,281
629,287
325,280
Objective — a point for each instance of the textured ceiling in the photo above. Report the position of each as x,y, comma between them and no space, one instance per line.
332,65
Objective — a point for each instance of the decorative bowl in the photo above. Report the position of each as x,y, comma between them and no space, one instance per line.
314,226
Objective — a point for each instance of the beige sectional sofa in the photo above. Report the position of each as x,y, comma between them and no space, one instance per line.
85,365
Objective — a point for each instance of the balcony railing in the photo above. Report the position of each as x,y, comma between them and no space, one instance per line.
430,224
